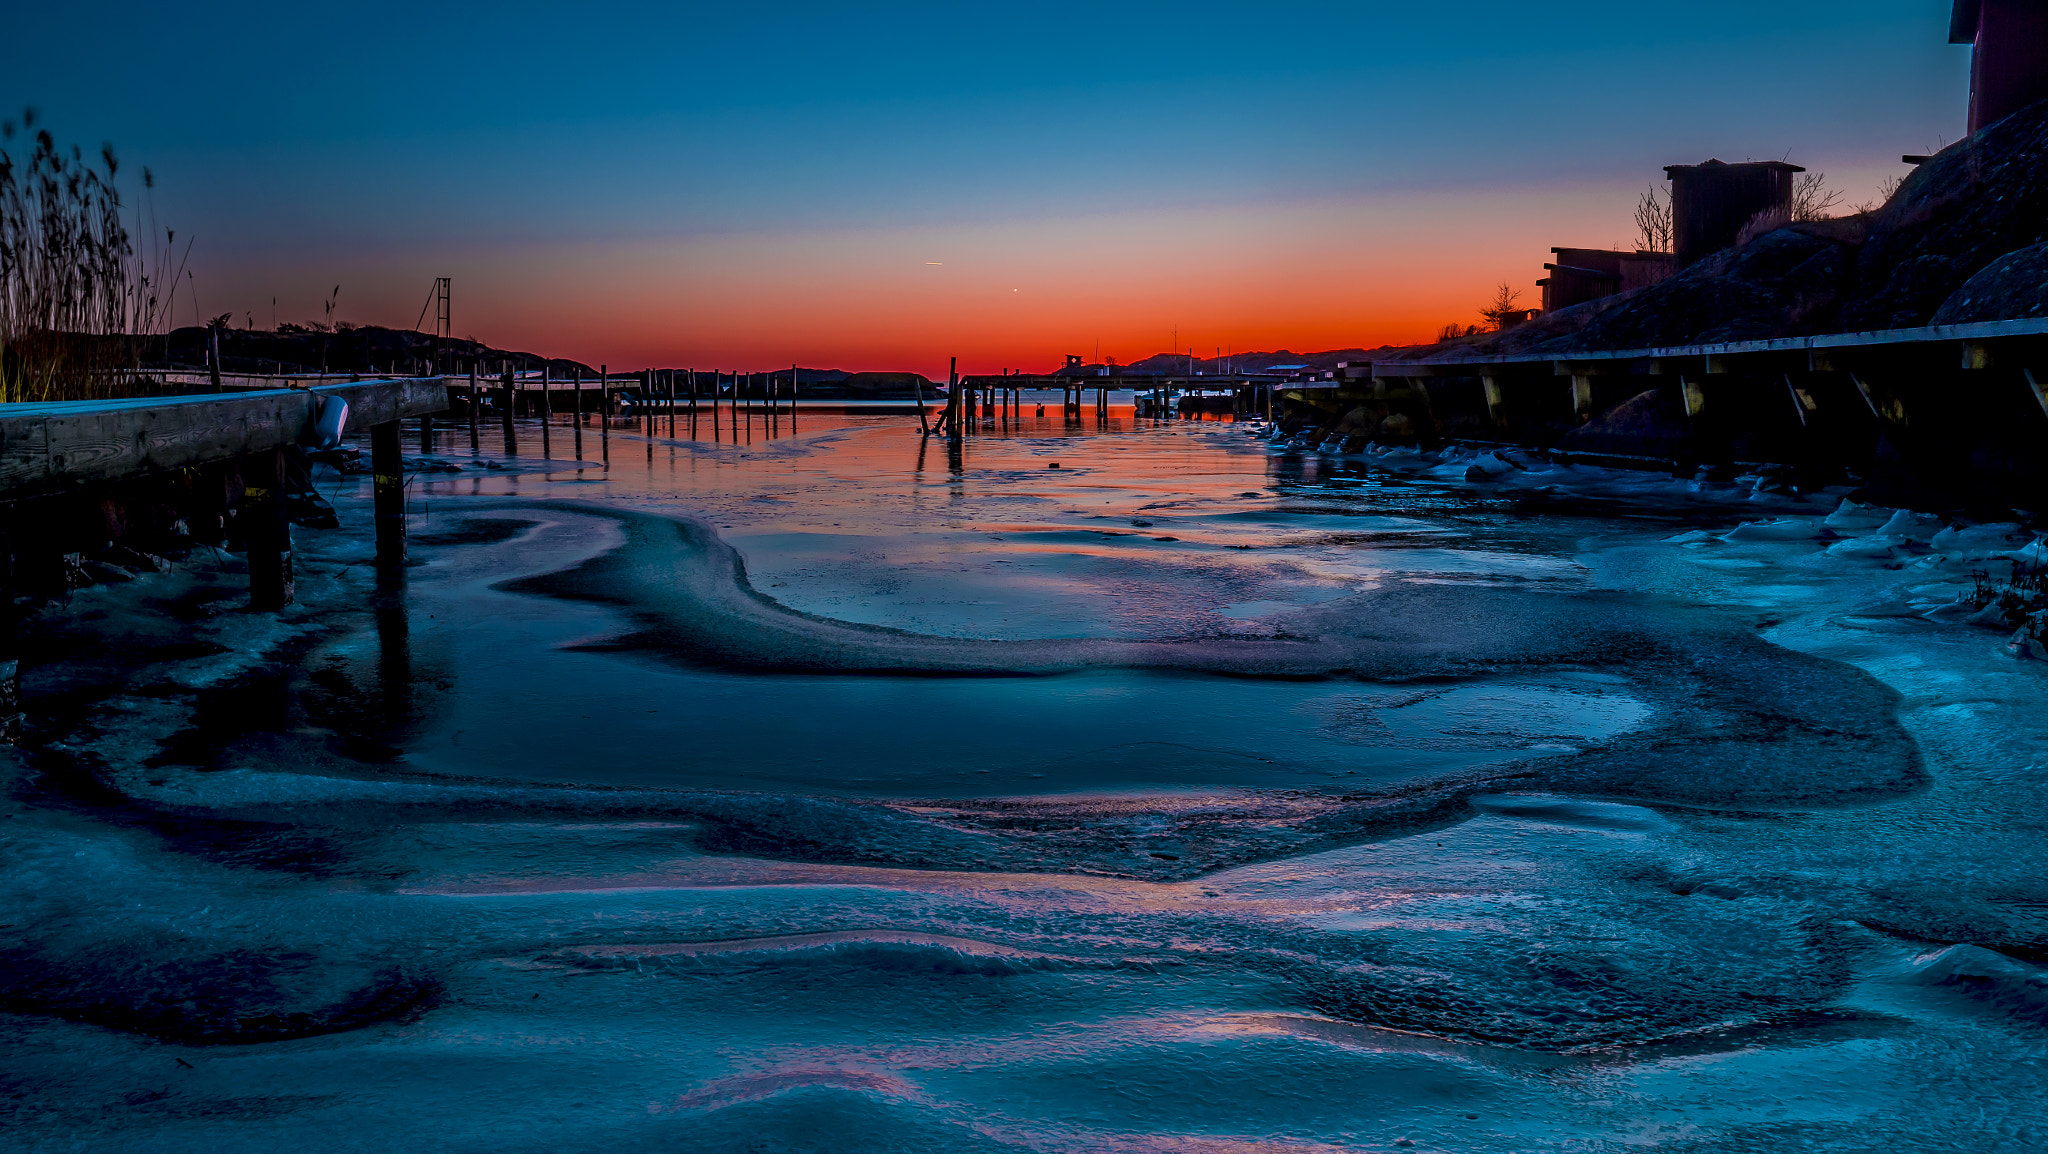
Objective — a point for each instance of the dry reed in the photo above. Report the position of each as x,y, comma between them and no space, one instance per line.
76,301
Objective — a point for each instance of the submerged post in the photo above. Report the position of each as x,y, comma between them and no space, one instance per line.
475,399
604,410
267,529
387,471
792,398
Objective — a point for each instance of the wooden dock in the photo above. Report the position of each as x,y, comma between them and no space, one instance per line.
1950,412
56,446
49,451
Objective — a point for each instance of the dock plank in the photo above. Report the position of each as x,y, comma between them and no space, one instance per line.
53,446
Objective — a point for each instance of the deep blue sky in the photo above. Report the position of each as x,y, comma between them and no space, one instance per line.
689,184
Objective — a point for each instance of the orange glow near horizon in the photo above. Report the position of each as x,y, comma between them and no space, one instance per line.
1305,277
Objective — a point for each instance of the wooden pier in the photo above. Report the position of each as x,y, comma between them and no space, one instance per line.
1966,400
49,451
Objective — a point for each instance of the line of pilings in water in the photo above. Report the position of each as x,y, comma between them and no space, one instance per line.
689,402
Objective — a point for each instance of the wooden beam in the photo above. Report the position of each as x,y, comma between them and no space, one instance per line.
267,529
60,445
387,472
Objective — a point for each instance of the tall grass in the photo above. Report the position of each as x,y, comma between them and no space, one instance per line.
75,298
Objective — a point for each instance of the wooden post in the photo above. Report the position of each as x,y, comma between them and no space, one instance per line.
579,414
917,382
12,717
1496,410
387,474
604,410
2034,386
426,432
792,398
671,404
953,398
547,412
267,529
475,399
1799,400
213,356
1582,397
511,446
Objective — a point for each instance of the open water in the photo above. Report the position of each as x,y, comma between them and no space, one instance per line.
830,791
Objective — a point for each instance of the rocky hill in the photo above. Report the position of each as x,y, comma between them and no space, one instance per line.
1965,238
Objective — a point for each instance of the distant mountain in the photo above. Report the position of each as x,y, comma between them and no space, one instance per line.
365,349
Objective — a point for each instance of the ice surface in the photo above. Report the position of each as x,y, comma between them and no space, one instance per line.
810,794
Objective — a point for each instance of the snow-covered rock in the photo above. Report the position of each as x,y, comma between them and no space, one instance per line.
1918,526
2034,554
1874,548
1487,466
1785,529
1992,616
1977,537
1853,518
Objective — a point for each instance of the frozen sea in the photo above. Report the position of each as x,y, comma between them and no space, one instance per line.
1133,787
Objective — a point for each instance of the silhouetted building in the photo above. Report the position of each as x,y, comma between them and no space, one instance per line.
2008,56
1711,202
1587,274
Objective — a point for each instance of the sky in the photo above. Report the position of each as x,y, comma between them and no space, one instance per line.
885,186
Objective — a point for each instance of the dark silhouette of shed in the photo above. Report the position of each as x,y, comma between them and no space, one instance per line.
1585,274
1711,202
2008,56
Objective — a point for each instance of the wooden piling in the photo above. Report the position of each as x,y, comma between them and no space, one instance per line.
267,528
475,403
547,413
387,473
953,399
579,414
511,446
12,716
604,411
